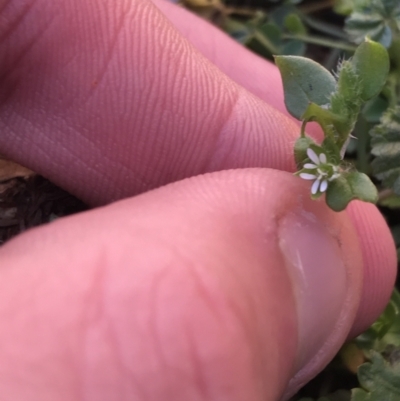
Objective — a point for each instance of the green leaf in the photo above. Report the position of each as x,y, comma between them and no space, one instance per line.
374,109
362,187
304,82
386,147
294,24
300,150
374,19
350,186
346,7
385,330
338,194
379,378
371,61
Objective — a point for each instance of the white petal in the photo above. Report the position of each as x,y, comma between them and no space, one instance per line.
324,186
313,156
334,176
322,157
310,165
306,176
314,188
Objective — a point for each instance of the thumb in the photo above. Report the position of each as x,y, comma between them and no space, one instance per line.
217,287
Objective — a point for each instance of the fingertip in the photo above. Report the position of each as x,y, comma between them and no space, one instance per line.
380,263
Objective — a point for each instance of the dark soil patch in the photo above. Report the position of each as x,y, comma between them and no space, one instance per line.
32,201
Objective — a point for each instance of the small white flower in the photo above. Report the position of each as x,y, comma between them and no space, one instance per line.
320,171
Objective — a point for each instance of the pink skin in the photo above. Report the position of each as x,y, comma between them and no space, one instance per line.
191,291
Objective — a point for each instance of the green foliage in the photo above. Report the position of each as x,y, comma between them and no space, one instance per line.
279,33
386,149
379,378
376,19
304,82
371,63
350,186
385,331
313,94
268,39
340,395
346,7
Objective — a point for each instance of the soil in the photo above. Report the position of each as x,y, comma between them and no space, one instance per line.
28,200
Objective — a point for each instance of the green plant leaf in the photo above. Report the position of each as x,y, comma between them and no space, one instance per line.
374,109
362,187
371,62
386,149
346,7
295,25
338,194
392,202
379,378
385,330
349,186
374,19
304,82
300,150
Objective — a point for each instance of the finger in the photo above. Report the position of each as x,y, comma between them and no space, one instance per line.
122,103
379,260
244,67
218,287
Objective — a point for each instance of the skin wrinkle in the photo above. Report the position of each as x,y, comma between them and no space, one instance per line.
239,316
17,17
96,317
199,381
9,72
199,365
234,155
196,363
185,260
115,37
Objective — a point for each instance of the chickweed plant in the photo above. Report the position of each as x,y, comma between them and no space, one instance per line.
340,67
313,94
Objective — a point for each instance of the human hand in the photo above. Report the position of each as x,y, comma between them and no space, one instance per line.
230,285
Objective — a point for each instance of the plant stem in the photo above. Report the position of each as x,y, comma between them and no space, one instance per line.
312,8
317,40
361,130
266,42
384,194
323,26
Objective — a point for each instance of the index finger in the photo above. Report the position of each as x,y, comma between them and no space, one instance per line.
109,100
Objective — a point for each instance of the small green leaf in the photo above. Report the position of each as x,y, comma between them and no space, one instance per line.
376,19
374,109
295,25
379,378
350,186
385,330
362,187
300,149
392,202
386,147
304,82
346,7
339,194
371,61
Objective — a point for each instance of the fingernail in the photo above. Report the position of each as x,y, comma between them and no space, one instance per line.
313,260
